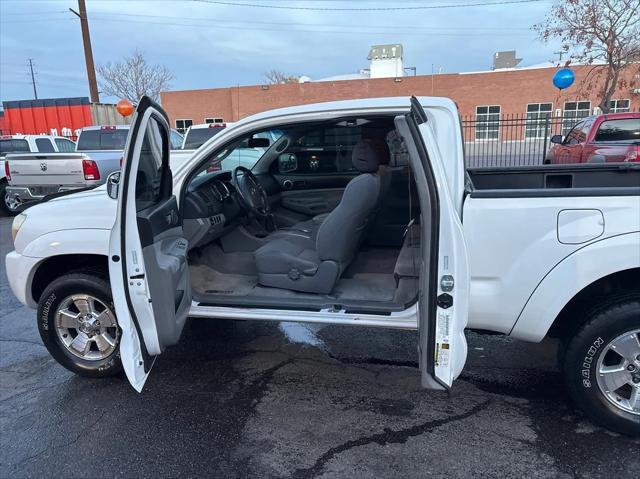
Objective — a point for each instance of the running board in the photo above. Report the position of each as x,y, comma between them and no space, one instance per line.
406,319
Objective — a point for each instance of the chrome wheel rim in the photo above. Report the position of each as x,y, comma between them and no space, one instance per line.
11,203
618,371
86,327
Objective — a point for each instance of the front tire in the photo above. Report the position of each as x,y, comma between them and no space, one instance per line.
78,326
602,365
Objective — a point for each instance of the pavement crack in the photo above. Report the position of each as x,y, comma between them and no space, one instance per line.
388,436
27,341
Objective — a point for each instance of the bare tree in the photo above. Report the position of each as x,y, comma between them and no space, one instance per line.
134,77
602,33
274,77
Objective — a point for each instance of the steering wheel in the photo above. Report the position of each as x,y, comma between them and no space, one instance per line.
252,195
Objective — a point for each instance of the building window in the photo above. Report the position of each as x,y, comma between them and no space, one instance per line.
213,120
538,115
574,111
619,106
487,122
182,125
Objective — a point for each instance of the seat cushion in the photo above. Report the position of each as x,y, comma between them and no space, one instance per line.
290,265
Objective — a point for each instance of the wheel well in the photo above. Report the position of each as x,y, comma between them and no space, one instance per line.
56,266
574,313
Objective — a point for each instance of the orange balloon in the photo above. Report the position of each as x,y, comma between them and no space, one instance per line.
125,107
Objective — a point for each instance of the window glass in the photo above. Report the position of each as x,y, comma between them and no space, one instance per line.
14,146
213,120
239,154
183,125
538,115
176,140
107,139
619,106
196,137
487,122
623,131
575,135
44,145
64,145
321,151
574,111
150,168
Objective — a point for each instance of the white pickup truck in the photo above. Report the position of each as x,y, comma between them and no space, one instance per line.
359,213
11,144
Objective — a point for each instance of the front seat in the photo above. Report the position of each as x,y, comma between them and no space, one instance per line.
299,263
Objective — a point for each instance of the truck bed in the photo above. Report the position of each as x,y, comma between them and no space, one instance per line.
556,180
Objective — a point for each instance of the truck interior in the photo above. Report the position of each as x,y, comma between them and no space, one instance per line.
310,216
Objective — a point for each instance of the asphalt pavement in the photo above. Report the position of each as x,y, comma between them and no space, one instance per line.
244,399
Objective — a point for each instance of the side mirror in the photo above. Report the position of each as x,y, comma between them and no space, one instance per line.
113,185
556,139
258,143
287,163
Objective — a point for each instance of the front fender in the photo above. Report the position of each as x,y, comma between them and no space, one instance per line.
572,275
75,241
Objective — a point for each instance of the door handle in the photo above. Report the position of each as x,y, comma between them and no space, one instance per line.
171,218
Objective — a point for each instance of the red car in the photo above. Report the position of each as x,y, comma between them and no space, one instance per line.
614,137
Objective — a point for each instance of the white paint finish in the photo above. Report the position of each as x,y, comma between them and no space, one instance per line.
579,226
64,242
582,268
513,244
20,271
450,341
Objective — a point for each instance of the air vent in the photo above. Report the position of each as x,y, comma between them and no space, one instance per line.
217,220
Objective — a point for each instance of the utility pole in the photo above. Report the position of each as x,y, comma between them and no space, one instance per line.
88,54
33,79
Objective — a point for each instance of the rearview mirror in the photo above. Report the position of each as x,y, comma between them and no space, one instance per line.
258,143
556,139
113,185
287,163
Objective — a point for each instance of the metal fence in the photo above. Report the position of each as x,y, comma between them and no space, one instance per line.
494,139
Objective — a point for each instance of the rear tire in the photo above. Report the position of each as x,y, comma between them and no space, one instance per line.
85,339
4,206
607,344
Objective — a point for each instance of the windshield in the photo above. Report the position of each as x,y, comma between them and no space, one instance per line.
102,139
13,146
196,137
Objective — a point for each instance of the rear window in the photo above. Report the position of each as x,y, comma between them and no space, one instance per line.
102,139
622,131
13,146
44,145
196,137
65,146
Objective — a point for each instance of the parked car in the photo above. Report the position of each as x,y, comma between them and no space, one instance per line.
10,144
613,137
198,135
534,252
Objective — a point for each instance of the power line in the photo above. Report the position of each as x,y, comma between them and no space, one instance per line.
367,9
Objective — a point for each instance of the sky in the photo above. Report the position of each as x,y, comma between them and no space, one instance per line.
208,44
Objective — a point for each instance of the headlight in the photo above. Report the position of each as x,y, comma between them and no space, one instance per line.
17,224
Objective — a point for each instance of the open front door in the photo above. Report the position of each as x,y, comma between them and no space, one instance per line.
147,250
444,278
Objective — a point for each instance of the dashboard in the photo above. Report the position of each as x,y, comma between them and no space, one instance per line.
210,208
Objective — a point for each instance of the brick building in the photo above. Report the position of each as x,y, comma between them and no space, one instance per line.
481,95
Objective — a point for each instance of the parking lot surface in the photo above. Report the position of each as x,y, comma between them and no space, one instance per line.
242,399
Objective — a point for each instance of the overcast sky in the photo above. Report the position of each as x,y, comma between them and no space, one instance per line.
207,44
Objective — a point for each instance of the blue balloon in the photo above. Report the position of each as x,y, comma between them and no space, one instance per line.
563,78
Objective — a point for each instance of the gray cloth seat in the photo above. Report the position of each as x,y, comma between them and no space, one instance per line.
311,264
309,228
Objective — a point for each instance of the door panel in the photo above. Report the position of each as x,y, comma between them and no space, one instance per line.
311,202
148,265
444,278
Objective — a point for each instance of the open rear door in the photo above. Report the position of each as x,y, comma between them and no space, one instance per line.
444,278
147,250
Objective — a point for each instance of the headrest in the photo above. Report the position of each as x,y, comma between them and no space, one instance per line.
366,157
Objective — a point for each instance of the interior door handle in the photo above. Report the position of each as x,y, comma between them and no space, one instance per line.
171,218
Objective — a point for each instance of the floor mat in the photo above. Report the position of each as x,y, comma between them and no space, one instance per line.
208,280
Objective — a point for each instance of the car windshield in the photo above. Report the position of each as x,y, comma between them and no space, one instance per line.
114,139
13,146
196,137
622,131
